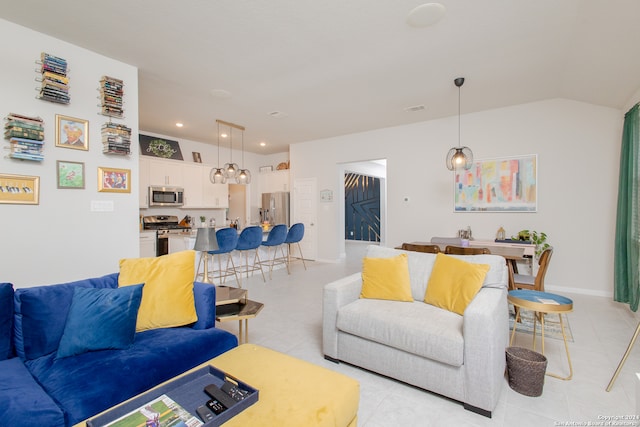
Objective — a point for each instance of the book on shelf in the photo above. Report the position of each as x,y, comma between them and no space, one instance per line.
22,118
19,132
24,156
23,124
55,77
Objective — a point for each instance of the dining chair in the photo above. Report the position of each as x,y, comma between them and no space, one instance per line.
536,283
415,247
458,250
294,236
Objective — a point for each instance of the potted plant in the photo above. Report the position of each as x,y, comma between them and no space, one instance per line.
203,221
538,238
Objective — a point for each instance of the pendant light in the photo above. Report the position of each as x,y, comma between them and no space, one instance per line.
216,175
244,176
231,169
459,157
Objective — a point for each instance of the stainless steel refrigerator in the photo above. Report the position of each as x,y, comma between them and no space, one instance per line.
275,208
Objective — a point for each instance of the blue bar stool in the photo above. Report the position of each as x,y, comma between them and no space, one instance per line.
294,236
275,240
227,241
249,240
541,303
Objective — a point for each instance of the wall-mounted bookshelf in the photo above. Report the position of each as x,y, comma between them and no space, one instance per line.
53,76
26,137
111,93
116,139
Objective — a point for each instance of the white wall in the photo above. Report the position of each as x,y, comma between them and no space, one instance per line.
61,239
578,153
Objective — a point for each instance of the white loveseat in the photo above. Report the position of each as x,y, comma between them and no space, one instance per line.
461,357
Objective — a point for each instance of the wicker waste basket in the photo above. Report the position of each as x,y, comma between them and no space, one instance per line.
526,370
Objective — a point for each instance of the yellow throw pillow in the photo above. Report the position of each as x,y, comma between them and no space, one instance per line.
386,278
454,283
167,296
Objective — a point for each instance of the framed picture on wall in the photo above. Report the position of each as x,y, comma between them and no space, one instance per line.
70,174
508,184
19,189
72,132
112,180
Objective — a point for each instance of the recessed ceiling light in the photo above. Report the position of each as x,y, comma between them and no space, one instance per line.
223,135
263,144
179,124
425,15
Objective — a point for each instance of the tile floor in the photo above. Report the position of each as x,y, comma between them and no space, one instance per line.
291,322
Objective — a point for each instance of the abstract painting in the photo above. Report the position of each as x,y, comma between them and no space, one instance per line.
498,185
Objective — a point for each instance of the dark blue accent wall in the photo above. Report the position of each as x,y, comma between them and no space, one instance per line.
362,207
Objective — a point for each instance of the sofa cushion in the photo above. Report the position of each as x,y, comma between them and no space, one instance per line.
416,327
100,319
6,320
91,382
454,283
421,264
41,314
167,297
24,402
386,278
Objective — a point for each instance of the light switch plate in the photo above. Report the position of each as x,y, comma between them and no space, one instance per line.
102,206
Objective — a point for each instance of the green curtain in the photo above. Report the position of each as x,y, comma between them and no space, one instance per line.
627,251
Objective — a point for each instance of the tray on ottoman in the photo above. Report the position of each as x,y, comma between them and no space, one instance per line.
188,392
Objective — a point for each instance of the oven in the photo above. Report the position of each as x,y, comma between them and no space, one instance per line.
164,226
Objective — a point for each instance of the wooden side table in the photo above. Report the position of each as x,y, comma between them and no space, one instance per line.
541,303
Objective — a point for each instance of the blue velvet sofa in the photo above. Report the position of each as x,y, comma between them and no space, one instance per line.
38,388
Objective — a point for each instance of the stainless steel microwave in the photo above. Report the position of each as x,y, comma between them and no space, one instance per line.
166,196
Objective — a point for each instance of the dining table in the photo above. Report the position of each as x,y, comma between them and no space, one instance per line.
513,252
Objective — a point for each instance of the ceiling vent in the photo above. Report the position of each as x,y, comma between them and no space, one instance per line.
278,114
414,108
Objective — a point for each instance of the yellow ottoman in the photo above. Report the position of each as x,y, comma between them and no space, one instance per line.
293,392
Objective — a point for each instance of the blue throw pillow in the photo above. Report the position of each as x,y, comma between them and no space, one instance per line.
100,319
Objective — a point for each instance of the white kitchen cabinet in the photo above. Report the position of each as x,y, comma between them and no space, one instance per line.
272,182
147,244
193,183
143,179
216,195
199,191
165,172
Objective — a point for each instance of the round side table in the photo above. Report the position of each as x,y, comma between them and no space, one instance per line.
541,303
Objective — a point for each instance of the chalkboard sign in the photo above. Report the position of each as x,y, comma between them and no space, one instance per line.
160,147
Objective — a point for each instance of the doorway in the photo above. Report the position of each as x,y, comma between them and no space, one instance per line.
376,168
361,207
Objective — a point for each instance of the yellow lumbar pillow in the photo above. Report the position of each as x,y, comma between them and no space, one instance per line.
454,283
386,278
167,296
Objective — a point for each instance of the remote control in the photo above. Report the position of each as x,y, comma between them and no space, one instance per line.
204,413
219,395
215,406
232,390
